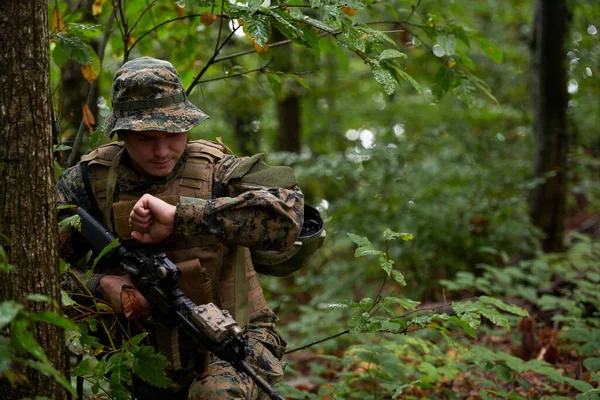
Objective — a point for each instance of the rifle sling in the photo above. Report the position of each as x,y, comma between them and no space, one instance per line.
240,287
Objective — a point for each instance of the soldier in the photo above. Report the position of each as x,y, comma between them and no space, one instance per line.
202,206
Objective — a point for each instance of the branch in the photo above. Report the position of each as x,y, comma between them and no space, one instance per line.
211,61
261,69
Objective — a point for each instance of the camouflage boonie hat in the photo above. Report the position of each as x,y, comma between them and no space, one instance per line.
148,96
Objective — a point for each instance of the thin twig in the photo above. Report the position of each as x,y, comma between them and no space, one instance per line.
220,30
317,342
162,24
141,15
261,69
412,11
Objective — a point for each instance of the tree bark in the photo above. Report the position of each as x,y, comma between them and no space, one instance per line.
288,103
549,93
27,197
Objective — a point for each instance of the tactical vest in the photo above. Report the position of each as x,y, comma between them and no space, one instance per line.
208,266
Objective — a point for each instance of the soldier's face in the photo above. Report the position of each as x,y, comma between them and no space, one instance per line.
154,153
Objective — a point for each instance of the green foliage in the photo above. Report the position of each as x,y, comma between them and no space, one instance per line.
108,366
449,161
132,357
403,333
18,344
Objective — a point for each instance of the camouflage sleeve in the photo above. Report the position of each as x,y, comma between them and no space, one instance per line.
261,217
71,190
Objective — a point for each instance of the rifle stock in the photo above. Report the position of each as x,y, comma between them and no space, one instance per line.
157,278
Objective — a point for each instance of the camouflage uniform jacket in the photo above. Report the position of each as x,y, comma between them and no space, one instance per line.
243,209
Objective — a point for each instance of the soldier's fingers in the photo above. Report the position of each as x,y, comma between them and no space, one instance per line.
141,228
140,210
141,237
140,220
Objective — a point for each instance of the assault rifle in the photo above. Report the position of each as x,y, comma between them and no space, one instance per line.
157,277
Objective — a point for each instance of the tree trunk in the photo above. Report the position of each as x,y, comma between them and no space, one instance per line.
288,102
288,112
27,202
549,92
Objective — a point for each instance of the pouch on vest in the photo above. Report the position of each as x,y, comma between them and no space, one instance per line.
195,282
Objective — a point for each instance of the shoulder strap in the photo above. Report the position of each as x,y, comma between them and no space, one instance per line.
103,155
207,149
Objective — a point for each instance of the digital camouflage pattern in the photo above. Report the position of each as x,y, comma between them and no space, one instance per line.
221,381
239,213
260,217
148,95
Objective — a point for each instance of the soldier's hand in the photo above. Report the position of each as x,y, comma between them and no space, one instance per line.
119,292
152,219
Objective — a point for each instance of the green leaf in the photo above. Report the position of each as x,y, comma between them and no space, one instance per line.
465,91
38,297
73,221
410,80
76,49
444,80
317,24
466,60
24,340
8,311
6,354
55,319
258,28
359,322
365,248
511,308
47,369
407,304
119,374
388,234
84,31
137,339
60,147
481,85
150,366
447,43
66,300
386,264
384,77
59,55
275,82
398,277
4,264
592,364
461,34
494,315
391,54
353,37
253,5
107,249
461,323
86,367
285,25
493,52
63,266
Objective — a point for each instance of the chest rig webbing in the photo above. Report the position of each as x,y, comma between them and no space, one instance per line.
211,270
